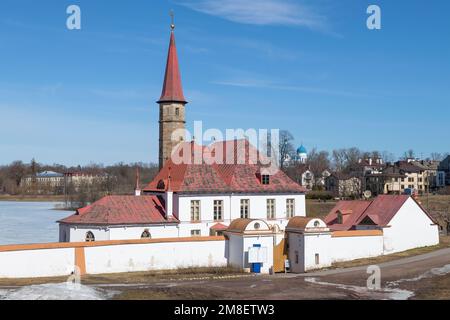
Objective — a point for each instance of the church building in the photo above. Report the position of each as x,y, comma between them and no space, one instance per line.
190,199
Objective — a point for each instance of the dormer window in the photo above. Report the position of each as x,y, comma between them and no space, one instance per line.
265,179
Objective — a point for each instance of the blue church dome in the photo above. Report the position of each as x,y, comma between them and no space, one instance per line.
302,149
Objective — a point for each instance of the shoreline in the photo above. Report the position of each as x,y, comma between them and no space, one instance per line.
32,198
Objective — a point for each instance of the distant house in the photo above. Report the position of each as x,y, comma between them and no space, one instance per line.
444,166
403,176
44,182
343,185
304,176
431,172
50,182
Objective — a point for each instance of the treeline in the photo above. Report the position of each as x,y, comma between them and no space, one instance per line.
119,178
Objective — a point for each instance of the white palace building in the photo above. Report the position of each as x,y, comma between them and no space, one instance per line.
213,213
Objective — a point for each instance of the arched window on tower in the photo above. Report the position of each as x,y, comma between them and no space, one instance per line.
146,234
90,237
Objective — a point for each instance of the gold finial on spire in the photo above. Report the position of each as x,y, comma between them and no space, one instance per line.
172,16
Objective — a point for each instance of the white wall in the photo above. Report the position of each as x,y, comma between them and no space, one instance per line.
239,246
317,244
235,257
53,262
155,256
351,248
78,234
232,209
410,228
306,246
37,263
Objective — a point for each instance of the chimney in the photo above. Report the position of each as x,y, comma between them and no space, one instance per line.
137,190
370,161
169,197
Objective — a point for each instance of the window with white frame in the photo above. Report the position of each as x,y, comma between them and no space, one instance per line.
271,209
245,208
290,208
218,210
196,233
195,210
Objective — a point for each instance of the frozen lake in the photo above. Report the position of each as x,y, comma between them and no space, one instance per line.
29,222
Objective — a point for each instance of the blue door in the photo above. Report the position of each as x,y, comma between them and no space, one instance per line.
256,267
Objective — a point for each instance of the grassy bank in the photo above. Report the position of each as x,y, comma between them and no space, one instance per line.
320,209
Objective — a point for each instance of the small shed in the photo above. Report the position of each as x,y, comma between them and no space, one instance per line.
309,240
251,245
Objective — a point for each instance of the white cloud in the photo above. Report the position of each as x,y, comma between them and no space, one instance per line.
260,12
264,84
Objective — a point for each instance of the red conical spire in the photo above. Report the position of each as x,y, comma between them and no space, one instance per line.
172,89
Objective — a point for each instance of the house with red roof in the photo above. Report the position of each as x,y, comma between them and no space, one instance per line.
404,222
194,198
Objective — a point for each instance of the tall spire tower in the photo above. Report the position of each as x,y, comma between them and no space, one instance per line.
171,105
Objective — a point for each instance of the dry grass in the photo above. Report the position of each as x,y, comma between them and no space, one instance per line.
444,243
435,288
320,209
132,277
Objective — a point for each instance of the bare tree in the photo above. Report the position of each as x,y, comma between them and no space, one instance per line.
338,157
17,171
318,162
435,156
410,154
286,147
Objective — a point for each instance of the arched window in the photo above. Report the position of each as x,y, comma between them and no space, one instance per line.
146,234
90,237
340,220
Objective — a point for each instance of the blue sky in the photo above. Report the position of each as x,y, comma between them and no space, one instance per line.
311,67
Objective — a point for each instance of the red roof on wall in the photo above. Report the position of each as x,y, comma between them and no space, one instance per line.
122,210
212,175
380,211
172,88
351,211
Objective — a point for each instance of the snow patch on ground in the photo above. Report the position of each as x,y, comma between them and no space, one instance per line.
429,274
59,291
383,294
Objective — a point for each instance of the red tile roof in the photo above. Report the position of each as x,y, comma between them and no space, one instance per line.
350,210
213,175
381,211
172,89
122,210
219,227
383,208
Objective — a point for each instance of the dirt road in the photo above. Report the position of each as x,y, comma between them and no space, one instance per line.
423,277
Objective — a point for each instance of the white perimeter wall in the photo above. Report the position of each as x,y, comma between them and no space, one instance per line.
37,263
351,248
155,256
53,262
410,228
